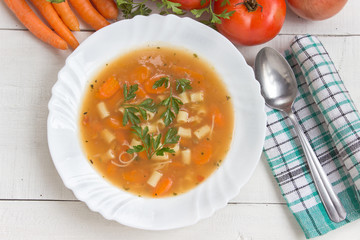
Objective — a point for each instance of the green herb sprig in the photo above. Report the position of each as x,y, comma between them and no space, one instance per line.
152,145
166,5
214,17
129,8
130,110
171,103
183,84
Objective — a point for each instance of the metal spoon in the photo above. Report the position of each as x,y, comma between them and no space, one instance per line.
278,87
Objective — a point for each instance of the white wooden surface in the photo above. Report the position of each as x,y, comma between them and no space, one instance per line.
34,204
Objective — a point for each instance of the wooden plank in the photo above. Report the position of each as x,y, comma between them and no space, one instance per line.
341,24
28,71
73,220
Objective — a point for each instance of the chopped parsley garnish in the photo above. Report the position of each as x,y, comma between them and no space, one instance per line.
154,144
130,110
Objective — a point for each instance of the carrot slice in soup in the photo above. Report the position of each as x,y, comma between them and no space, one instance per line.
187,73
135,176
114,122
143,155
219,119
141,93
108,88
201,153
140,74
163,186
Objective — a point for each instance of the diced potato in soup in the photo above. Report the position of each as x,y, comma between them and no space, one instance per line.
149,121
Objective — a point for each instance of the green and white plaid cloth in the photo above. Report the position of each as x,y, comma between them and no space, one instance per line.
331,123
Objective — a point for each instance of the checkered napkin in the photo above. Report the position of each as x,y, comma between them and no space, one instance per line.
331,123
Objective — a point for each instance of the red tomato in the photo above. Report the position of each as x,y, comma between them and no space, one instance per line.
191,4
253,22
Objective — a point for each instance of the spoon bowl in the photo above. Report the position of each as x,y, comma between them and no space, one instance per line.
277,80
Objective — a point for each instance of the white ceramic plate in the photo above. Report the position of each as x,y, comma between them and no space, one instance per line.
114,203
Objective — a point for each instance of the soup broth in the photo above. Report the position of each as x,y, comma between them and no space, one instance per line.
156,122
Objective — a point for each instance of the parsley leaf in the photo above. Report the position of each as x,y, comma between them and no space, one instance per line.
166,4
199,12
214,17
171,136
129,8
161,151
162,81
182,85
130,93
131,110
152,145
168,116
172,103
137,148
129,114
225,2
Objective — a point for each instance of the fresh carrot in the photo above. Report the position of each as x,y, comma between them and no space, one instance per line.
27,17
107,8
67,15
149,85
202,152
49,13
108,88
163,186
89,14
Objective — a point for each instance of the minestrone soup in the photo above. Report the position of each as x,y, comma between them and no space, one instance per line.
156,122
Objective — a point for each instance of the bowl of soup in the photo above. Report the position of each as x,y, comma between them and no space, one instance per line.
156,122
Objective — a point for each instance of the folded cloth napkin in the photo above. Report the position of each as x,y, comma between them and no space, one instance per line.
331,123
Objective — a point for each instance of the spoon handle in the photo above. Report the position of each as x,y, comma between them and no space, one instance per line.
331,202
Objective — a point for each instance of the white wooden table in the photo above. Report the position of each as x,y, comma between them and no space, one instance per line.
34,203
